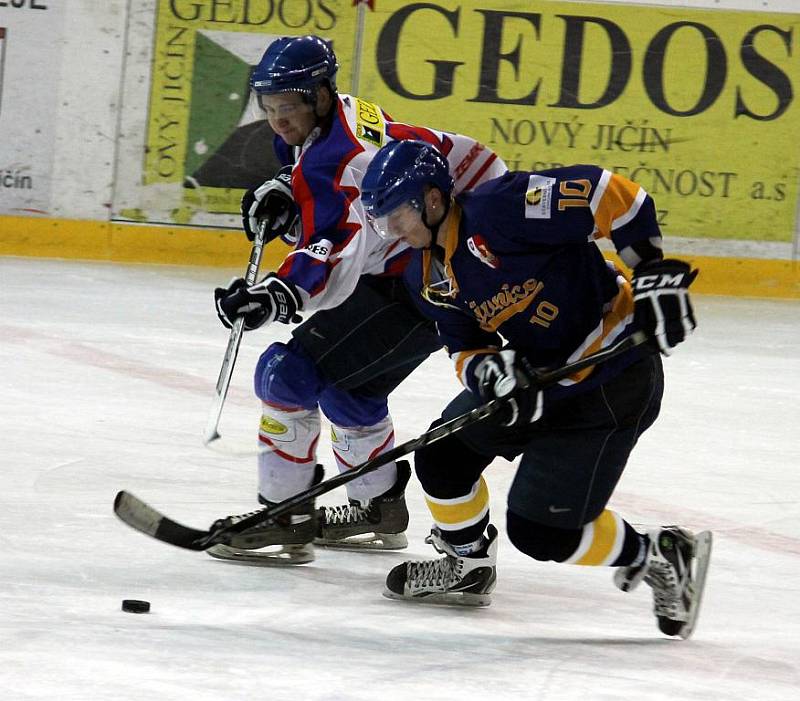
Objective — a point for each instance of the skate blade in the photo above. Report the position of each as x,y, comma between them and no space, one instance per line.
443,599
702,559
287,555
367,541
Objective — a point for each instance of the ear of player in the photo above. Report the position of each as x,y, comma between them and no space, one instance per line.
272,299
663,309
273,201
504,376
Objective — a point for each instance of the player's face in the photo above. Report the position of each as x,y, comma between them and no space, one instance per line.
290,117
404,223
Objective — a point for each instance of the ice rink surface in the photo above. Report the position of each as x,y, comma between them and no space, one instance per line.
107,379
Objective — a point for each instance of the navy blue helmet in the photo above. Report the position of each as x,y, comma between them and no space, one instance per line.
399,173
295,64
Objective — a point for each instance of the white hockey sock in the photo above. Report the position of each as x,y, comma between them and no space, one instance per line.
354,446
291,436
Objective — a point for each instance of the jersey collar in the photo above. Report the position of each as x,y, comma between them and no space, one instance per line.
439,284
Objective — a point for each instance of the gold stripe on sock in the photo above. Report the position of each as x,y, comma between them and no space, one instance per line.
463,511
605,536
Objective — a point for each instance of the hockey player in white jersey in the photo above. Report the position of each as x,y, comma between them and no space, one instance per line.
362,334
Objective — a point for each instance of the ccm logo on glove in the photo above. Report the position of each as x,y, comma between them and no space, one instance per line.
663,309
664,280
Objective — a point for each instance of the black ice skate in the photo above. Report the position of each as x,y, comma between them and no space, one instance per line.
380,525
453,579
284,540
675,568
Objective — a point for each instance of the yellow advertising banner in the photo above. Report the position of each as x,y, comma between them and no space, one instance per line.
698,106
204,134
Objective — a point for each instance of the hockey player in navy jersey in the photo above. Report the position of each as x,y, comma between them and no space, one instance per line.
515,281
362,334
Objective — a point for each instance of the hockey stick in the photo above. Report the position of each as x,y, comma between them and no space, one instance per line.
146,519
234,340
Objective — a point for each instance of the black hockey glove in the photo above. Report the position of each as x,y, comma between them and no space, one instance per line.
663,309
272,299
273,200
502,376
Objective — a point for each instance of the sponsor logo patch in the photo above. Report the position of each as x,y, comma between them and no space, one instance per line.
369,123
369,134
538,197
270,425
319,249
477,246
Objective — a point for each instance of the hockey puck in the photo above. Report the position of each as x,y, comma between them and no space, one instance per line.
135,606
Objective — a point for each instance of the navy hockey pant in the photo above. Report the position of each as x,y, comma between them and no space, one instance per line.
571,459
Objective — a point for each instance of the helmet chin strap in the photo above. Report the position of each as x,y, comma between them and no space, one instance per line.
434,228
326,119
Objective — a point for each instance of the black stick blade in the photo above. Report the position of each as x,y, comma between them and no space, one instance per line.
147,520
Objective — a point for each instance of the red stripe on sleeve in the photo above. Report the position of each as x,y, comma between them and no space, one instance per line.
481,171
